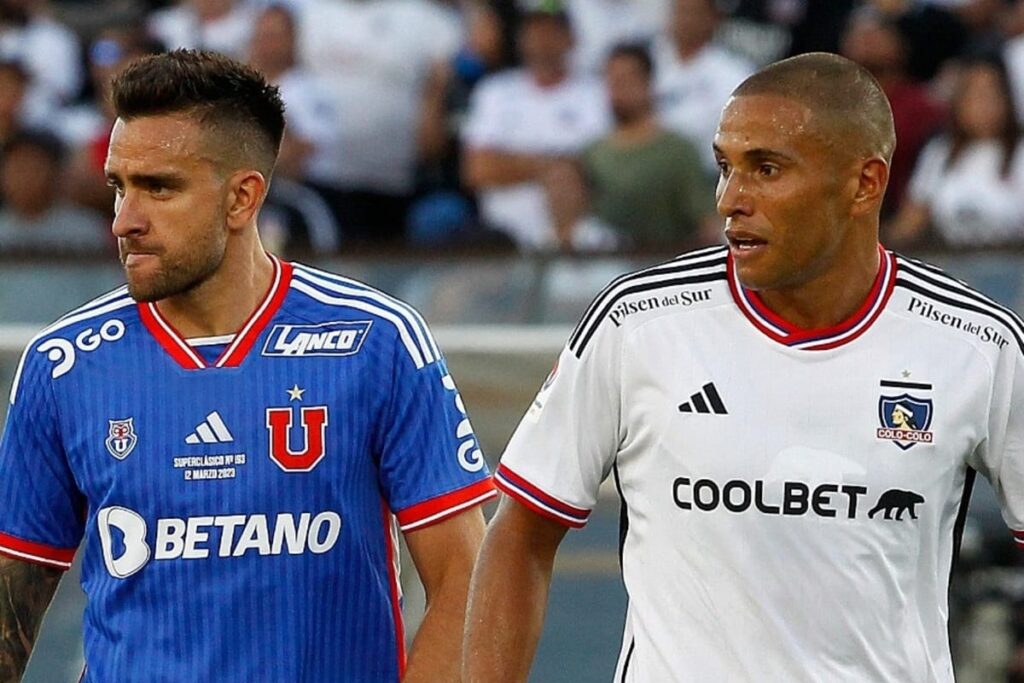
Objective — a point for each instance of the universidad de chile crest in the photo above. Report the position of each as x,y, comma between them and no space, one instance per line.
121,438
905,418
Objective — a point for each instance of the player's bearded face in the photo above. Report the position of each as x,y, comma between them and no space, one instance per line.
169,206
783,195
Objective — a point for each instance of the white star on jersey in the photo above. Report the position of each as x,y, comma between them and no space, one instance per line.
295,393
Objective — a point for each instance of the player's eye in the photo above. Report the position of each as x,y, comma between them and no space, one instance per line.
768,170
118,188
723,167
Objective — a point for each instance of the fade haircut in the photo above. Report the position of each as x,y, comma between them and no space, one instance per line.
846,101
231,101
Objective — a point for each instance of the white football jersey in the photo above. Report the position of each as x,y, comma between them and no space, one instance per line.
793,499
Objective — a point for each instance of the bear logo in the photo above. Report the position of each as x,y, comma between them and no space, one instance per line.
894,502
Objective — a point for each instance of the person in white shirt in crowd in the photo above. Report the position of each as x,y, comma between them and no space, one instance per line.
695,75
600,25
223,26
377,58
968,185
296,216
523,122
48,50
1013,53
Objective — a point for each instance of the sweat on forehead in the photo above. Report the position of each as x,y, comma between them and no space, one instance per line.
845,100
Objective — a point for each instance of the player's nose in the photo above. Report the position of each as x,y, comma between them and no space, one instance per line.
129,218
732,197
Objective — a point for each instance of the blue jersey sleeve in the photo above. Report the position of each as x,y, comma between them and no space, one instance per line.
41,508
431,466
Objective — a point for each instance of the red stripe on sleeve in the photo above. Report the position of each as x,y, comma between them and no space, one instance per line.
442,507
38,553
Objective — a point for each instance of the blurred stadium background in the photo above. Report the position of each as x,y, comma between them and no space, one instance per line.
405,117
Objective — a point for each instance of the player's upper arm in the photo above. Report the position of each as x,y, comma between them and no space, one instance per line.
446,549
567,441
430,462
1000,456
40,504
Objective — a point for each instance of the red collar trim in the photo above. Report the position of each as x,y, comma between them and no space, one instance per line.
235,353
844,332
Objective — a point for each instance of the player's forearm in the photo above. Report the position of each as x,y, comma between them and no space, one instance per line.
487,168
436,653
507,602
25,593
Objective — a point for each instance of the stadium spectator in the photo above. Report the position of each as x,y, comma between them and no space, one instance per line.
377,57
444,210
694,76
1013,54
641,181
968,186
223,26
86,127
933,33
16,111
35,218
295,217
48,51
877,44
766,30
599,25
522,122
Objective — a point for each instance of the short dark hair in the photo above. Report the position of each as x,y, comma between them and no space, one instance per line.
221,92
841,92
40,140
635,51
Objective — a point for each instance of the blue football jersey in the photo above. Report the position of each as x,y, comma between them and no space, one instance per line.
237,500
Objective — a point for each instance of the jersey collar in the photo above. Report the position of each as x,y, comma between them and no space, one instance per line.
821,339
188,358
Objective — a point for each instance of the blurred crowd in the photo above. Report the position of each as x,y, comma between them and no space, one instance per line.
531,125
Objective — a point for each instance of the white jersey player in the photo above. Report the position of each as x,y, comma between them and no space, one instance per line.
793,423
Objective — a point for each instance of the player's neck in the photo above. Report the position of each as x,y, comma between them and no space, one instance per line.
222,304
831,297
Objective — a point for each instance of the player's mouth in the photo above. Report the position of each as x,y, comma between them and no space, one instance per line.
744,244
132,259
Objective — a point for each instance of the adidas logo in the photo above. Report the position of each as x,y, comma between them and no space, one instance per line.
705,401
210,430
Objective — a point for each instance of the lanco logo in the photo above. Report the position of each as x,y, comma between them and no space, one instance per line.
61,352
124,537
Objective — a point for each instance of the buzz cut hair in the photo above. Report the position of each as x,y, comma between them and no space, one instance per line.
843,97
232,101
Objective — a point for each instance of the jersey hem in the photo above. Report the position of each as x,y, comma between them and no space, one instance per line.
37,553
440,508
537,500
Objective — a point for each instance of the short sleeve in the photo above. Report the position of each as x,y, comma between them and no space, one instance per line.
567,441
1000,457
928,171
431,467
41,508
483,127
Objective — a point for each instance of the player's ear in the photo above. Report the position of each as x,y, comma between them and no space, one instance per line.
871,184
246,190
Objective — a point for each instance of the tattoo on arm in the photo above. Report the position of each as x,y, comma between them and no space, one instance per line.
25,593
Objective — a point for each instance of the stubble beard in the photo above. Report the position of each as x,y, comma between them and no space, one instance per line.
177,275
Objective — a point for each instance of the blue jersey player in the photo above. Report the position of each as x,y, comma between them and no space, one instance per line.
232,442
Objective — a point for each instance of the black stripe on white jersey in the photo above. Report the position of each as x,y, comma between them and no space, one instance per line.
942,289
643,286
689,261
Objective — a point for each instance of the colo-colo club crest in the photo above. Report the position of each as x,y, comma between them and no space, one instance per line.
905,418
121,438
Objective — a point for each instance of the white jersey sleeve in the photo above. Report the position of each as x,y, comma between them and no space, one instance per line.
567,441
1000,457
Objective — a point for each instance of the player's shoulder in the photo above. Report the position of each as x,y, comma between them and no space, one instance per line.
684,285
99,323
927,294
327,299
